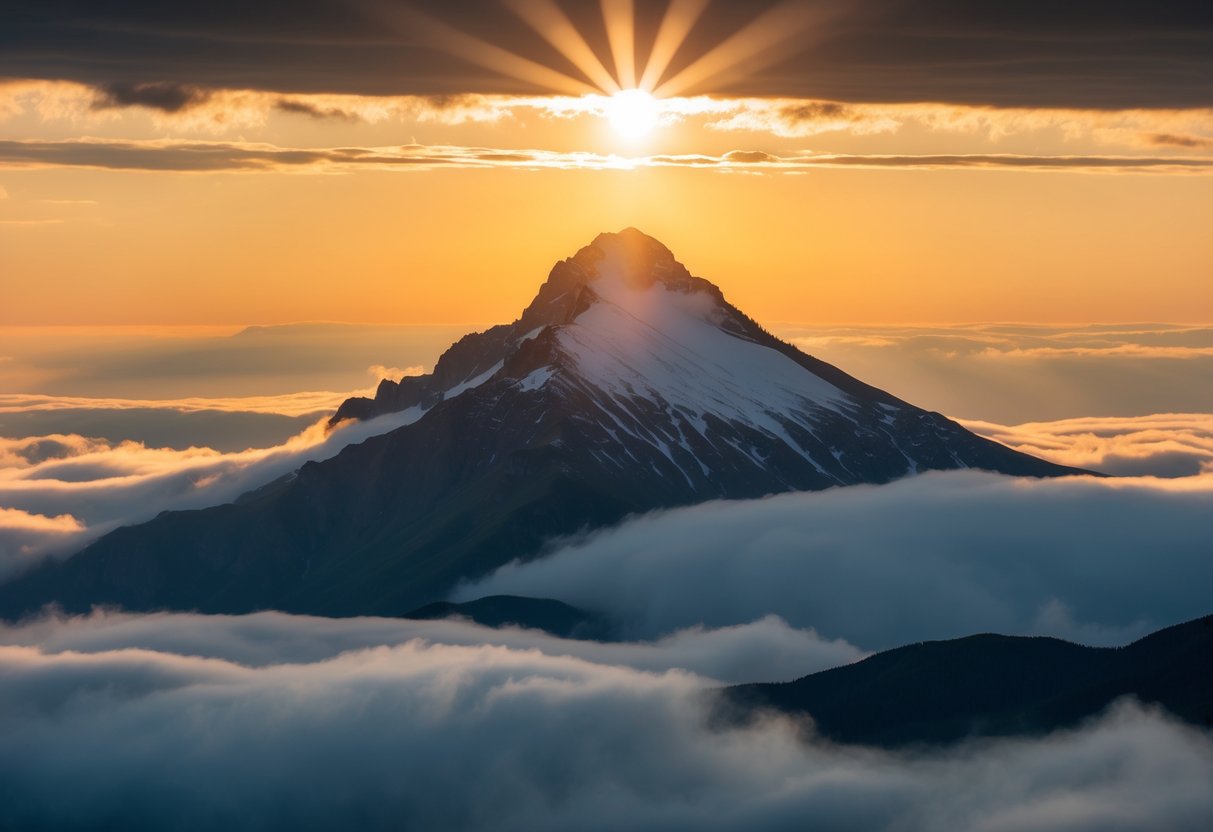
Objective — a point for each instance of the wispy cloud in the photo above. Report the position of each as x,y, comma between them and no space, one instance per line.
290,404
1009,373
1190,128
244,157
187,107
1116,351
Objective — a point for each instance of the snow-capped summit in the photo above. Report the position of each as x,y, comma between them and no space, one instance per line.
628,270
626,385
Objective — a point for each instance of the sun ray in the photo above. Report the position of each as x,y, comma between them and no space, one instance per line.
619,16
554,26
474,50
761,42
680,17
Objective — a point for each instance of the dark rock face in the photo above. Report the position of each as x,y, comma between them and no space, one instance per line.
987,685
627,385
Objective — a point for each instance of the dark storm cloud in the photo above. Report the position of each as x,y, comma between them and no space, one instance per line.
168,98
306,108
1085,53
430,735
1175,140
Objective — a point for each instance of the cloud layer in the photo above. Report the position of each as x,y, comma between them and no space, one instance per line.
1008,373
1161,445
763,650
251,157
96,486
191,110
935,556
428,735
266,369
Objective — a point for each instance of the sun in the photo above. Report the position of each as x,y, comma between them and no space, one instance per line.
633,113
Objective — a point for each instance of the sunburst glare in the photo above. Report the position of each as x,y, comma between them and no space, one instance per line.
632,113
642,87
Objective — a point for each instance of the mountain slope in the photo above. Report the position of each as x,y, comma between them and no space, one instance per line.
625,386
989,685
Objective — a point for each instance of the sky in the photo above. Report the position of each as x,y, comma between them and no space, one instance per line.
878,162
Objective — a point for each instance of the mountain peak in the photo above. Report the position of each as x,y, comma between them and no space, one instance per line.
633,259
626,386
632,256
617,268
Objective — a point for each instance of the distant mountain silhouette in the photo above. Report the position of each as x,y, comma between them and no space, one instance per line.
989,685
550,616
625,386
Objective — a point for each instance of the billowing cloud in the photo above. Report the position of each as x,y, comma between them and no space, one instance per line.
441,736
763,650
11,518
103,486
22,452
935,556
378,371
25,536
1161,445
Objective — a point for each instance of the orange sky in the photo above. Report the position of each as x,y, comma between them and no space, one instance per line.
239,208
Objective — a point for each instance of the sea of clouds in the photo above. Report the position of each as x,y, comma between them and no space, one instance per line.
254,722
270,720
